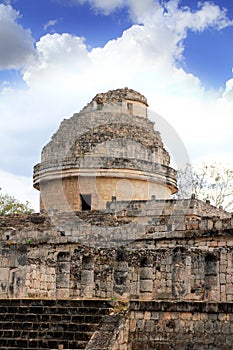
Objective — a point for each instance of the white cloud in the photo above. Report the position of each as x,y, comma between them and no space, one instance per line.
56,53
105,6
64,75
228,93
207,15
16,43
179,16
51,23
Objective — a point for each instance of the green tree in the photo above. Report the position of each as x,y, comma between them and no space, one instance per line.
10,205
213,182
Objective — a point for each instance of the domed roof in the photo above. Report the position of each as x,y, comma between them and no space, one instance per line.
119,95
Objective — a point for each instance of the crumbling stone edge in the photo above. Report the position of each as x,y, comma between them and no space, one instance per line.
105,337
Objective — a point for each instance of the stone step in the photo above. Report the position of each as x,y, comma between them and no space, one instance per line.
67,327
17,318
91,303
37,344
46,324
85,335
62,325
34,310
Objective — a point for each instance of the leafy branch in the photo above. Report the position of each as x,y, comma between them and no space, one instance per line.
10,205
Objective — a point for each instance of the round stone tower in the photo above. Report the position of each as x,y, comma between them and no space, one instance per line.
108,150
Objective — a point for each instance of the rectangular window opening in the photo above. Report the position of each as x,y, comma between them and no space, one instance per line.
85,201
130,108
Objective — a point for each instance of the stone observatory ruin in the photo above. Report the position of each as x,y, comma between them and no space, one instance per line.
109,149
112,261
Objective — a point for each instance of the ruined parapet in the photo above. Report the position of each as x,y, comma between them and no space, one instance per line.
169,207
109,149
126,101
122,223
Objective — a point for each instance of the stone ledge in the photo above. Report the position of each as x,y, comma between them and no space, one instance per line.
181,306
93,166
102,162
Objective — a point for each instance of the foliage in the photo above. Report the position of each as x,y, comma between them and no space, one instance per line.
10,205
213,182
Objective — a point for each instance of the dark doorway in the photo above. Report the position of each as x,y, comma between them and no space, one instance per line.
85,201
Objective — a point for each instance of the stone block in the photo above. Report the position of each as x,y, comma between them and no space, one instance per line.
222,278
146,286
87,277
146,273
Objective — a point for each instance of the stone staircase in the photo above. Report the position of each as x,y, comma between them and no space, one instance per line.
49,324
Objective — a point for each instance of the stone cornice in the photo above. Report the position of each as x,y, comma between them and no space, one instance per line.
105,167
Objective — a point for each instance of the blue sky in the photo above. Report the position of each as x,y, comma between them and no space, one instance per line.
207,54
80,20
55,55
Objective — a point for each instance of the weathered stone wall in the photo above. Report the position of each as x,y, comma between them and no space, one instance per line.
171,208
180,325
128,149
176,254
82,123
128,136
178,269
